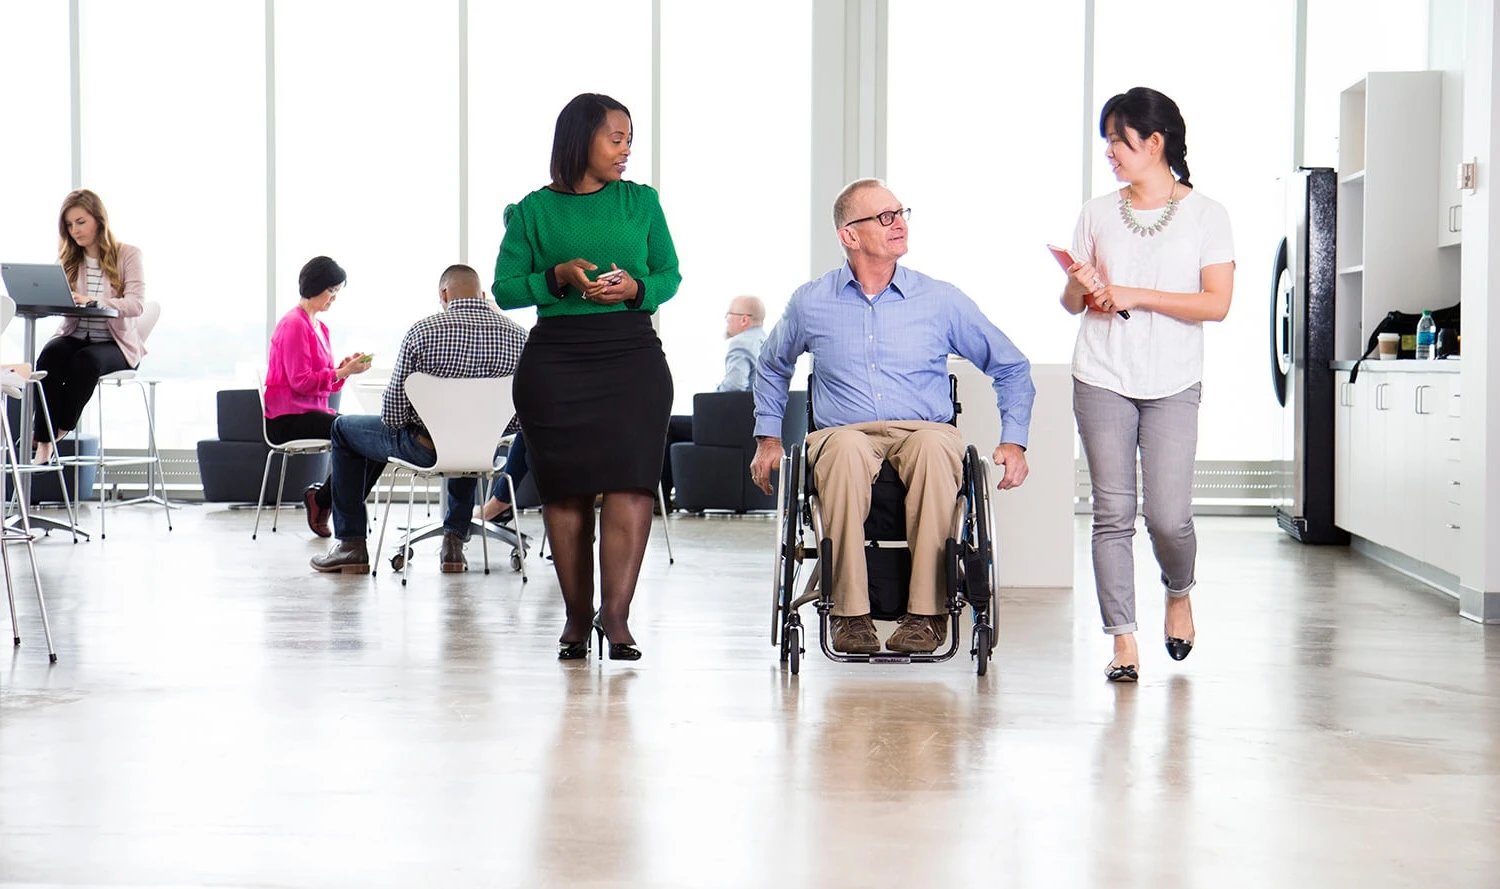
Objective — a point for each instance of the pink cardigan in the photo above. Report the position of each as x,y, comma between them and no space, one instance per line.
129,304
300,374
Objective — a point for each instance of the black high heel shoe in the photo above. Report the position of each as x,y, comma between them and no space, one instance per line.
618,651
574,651
1122,673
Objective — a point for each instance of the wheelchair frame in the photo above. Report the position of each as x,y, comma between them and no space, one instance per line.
969,558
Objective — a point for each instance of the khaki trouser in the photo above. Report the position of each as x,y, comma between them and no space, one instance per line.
845,461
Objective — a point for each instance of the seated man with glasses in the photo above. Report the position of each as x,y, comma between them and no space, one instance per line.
744,328
880,335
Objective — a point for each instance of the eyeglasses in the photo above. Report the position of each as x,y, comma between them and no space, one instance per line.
737,315
884,219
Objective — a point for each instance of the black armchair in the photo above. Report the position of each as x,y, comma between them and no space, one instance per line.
713,470
231,465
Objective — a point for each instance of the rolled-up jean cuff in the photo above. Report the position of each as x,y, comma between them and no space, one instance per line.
1119,631
1178,594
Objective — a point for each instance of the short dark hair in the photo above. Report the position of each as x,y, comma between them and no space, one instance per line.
453,273
1147,111
576,125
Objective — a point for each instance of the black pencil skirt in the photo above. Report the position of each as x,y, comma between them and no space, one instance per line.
594,394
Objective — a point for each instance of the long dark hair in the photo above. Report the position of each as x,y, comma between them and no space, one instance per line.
576,125
1147,111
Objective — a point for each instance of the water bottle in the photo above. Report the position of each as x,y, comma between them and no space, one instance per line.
1426,337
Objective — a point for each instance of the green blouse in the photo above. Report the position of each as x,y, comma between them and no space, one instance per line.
621,223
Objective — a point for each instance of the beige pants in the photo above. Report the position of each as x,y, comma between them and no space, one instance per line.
845,461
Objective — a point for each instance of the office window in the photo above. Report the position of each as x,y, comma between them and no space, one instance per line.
1347,39
983,141
35,155
173,141
736,123
367,163
518,84
1235,96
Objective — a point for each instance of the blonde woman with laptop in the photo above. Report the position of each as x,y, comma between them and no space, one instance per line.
103,272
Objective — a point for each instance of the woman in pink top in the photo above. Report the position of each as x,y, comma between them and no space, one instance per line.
301,375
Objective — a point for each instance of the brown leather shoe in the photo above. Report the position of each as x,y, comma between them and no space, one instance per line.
317,516
919,633
453,554
344,557
855,634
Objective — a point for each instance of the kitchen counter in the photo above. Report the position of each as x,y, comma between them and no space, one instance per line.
1402,365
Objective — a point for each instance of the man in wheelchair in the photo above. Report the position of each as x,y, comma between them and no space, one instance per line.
879,335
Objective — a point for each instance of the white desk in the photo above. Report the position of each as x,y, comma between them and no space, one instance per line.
1034,523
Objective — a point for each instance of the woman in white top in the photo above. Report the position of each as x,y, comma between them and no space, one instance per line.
1161,253
103,272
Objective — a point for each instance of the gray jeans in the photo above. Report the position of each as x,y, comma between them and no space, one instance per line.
1165,433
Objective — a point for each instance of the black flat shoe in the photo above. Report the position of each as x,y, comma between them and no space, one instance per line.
618,651
1179,648
1122,673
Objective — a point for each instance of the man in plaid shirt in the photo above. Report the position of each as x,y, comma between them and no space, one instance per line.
468,338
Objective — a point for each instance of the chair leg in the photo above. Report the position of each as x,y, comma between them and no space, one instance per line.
260,495
666,526
10,594
385,519
515,525
280,487
36,577
62,472
484,535
160,472
411,498
99,472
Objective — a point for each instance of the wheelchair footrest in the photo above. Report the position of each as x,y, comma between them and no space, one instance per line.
890,658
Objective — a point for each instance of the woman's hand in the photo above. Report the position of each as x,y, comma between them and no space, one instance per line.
80,300
571,274
354,364
1117,299
606,290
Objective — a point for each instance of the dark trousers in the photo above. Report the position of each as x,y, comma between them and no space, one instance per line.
315,424
516,466
73,368
679,428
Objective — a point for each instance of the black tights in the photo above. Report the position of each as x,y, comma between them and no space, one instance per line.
624,526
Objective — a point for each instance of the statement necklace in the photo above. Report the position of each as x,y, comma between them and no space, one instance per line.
1134,224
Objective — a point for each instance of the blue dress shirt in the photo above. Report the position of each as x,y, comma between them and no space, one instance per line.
887,358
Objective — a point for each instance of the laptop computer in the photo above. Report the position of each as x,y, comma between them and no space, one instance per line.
41,286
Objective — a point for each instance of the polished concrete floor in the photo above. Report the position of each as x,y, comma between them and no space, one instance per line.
222,716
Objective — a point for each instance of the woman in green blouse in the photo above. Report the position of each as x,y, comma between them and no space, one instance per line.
593,392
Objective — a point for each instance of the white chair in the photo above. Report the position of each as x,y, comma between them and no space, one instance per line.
288,449
465,440
11,388
53,465
155,474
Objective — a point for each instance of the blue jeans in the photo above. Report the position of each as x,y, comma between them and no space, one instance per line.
363,439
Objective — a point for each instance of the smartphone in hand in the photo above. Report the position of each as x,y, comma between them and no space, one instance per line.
613,276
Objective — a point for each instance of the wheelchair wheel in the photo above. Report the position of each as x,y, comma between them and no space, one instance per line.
787,549
983,645
794,652
982,525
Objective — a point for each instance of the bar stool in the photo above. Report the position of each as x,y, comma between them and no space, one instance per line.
11,388
156,479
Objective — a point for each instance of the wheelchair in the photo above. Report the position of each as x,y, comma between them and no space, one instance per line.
802,544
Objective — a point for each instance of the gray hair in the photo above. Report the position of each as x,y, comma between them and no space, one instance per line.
841,211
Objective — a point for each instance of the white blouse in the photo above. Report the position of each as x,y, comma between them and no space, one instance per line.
1148,355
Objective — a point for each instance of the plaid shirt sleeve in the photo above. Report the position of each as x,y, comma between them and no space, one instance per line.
395,407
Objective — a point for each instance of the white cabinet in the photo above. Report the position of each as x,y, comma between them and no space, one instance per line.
1396,470
1388,188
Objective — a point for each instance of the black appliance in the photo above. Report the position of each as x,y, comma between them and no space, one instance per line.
1302,352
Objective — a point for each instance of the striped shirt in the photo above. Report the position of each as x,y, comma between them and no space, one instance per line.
886,357
95,330
468,339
